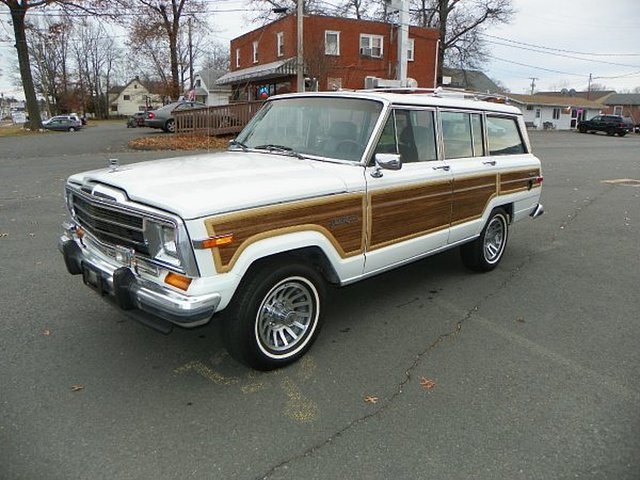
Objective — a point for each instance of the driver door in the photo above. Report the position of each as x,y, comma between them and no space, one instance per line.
408,210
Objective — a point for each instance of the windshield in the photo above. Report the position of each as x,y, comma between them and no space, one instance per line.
329,127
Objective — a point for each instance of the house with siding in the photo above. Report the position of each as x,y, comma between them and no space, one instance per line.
134,97
207,91
338,53
554,112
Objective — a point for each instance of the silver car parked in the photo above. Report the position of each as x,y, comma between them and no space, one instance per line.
163,117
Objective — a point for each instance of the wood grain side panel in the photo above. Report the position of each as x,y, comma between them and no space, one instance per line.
402,213
338,217
471,196
519,180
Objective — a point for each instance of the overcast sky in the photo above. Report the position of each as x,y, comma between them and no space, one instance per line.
555,39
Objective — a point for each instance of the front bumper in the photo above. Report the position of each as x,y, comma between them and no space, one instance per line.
131,291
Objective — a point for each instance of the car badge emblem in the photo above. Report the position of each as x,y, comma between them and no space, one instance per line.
113,164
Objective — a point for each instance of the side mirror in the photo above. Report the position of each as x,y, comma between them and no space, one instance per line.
386,161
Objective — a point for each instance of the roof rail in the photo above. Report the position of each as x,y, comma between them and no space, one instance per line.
445,92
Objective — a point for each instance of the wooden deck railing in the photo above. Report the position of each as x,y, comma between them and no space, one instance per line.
217,120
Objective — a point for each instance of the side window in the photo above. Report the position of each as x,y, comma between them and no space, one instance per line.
456,134
503,136
410,133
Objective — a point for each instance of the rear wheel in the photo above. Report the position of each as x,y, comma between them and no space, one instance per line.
275,317
485,252
170,126
582,129
72,129
611,132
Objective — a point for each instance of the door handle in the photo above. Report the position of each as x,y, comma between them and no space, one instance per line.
490,162
446,168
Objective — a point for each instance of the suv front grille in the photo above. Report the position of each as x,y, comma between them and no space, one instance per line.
109,224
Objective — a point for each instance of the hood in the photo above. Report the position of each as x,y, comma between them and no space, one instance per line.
208,184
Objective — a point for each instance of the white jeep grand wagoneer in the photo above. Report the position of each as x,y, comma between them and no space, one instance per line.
319,188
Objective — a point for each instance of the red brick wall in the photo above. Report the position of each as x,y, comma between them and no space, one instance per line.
632,111
349,66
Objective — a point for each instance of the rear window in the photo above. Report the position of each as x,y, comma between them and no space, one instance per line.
504,136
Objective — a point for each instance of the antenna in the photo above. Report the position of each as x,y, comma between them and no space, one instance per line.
533,83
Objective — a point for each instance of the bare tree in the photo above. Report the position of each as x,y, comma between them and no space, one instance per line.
460,25
215,57
96,54
18,10
159,22
266,11
49,43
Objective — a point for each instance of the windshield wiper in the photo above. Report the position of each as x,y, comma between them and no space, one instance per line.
236,143
279,149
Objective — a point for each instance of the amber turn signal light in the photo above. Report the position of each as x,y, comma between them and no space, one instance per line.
177,281
217,241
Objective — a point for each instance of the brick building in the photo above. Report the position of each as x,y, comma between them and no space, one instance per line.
625,104
338,53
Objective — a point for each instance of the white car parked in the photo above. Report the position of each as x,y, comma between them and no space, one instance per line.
319,188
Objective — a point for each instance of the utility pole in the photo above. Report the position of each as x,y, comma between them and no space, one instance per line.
300,50
402,7
533,83
589,88
190,57
403,41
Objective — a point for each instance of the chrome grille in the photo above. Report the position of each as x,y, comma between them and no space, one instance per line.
110,225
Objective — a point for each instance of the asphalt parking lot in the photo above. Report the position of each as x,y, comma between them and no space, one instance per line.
529,372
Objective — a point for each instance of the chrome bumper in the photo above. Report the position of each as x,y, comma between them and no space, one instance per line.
130,291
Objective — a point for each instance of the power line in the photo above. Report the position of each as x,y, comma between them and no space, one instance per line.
561,49
564,55
536,67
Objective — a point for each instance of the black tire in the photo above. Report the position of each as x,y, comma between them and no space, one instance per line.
486,251
72,129
275,315
170,126
622,134
611,132
582,129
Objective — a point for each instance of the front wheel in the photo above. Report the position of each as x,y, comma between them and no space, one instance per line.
485,252
275,316
170,126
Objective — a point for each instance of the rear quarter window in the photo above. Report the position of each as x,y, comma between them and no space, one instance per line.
504,137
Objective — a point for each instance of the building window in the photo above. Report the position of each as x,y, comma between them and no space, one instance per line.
126,98
556,113
410,50
255,52
371,45
280,43
331,43
617,110
529,107
237,57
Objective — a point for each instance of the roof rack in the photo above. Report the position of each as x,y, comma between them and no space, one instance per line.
445,92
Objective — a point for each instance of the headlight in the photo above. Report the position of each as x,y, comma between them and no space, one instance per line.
163,242
169,240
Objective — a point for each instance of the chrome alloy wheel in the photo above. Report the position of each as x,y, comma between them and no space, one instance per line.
494,239
287,317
